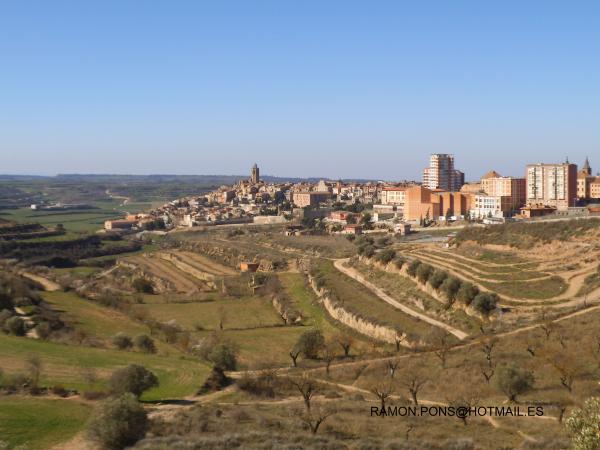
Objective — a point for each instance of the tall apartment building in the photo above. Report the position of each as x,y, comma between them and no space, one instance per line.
441,173
552,185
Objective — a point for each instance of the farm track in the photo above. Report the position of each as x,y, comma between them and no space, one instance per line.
47,284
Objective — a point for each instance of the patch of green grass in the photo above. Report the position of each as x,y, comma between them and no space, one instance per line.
250,312
40,423
534,290
63,364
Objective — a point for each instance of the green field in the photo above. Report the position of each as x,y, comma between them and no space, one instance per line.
179,375
40,423
250,312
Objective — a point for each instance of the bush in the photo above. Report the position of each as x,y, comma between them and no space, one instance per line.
145,343
450,288
122,341
467,293
582,425
310,343
424,271
118,423
485,302
224,356
15,325
143,285
399,262
367,250
59,390
43,330
412,267
437,278
385,256
513,381
132,379
216,381
262,385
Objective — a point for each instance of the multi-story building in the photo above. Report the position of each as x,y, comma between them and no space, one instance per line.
303,199
552,185
584,181
393,196
497,206
422,202
514,189
441,173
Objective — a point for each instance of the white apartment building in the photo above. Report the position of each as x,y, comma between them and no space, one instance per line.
441,173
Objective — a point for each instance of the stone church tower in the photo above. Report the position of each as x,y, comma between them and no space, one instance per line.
255,177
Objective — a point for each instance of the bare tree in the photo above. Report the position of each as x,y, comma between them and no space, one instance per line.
383,390
328,354
487,371
315,417
463,397
345,341
413,380
307,387
33,364
567,369
487,347
294,355
222,315
548,326
440,344
392,365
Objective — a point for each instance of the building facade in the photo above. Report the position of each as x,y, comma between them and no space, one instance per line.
393,196
514,189
552,185
441,173
304,199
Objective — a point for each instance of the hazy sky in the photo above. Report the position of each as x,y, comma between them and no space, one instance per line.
304,88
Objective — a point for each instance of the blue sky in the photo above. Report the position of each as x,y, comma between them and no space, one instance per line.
304,88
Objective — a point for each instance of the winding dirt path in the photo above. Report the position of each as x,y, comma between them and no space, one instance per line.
48,285
355,275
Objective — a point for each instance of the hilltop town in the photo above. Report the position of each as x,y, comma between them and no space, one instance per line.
441,197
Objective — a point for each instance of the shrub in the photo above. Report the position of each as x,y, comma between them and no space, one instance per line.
467,292
118,423
262,385
582,425
382,242
450,288
143,285
43,330
15,325
216,381
224,356
145,343
513,381
412,267
310,343
132,379
59,390
367,250
424,271
122,341
485,302
437,278
399,262
385,256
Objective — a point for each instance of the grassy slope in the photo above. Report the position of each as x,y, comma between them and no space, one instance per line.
40,423
179,376
359,299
